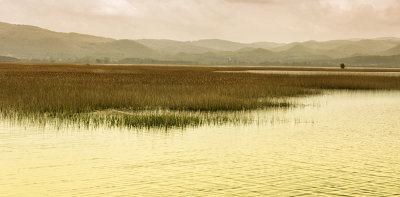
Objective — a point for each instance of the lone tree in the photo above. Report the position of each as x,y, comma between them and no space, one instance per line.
342,66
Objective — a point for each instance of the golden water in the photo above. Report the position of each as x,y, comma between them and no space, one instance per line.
341,143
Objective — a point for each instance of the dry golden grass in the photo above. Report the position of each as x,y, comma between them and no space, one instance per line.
60,90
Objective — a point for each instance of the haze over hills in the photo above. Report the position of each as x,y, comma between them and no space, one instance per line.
392,51
203,46
8,59
224,45
172,46
29,43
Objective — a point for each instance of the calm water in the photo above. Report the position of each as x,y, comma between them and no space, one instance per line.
341,143
341,72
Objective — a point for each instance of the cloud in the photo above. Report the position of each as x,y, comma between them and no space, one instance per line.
115,7
239,20
257,1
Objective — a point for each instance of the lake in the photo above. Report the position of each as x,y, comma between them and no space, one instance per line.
339,143
315,72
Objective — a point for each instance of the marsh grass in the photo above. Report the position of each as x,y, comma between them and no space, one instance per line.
186,96
135,119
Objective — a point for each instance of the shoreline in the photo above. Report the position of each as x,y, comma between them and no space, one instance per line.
256,67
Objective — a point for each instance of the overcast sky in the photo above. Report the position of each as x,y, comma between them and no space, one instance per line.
237,20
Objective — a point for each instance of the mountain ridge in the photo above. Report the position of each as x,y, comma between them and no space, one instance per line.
30,43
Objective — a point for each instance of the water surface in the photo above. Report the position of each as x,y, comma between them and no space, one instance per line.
341,143
340,72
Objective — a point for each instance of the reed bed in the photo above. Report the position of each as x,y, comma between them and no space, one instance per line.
128,119
76,92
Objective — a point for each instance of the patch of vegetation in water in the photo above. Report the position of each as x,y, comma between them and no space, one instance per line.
130,119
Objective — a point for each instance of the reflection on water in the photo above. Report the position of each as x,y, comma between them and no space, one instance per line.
340,143
342,72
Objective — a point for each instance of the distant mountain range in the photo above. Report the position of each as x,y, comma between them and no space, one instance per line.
29,43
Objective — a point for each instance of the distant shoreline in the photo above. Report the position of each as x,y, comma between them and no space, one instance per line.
241,67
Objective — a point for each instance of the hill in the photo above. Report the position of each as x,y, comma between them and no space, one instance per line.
342,48
380,61
30,42
393,51
203,46
8,59
173,47
220,45
266,45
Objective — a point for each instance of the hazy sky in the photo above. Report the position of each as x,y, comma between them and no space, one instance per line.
237,20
